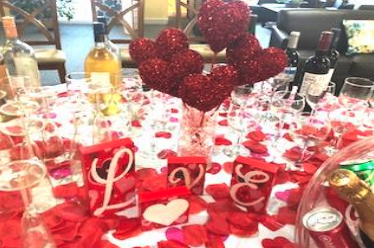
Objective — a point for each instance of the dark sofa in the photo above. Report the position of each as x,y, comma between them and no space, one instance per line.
311,22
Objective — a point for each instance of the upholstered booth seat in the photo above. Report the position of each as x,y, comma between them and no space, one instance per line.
48,56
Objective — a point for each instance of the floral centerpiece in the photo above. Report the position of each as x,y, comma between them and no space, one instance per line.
168,65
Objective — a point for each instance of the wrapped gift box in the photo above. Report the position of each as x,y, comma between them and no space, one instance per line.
187,171
109,176
164,208
252,182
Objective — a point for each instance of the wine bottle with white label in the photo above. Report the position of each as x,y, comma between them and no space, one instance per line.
19,57
317,67
102,64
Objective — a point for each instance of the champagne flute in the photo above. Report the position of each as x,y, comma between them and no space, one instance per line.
308,130
355,91
318,95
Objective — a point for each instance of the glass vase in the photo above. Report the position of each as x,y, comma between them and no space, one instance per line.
197,134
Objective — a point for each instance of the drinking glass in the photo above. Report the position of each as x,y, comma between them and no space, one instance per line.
317,94
355,91
241,119
27,182
283,100
308,130
344,120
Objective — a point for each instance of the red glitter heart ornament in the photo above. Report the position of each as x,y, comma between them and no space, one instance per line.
154,73
208,92
222,23
142,49
263,65
185,63
245,47
171,41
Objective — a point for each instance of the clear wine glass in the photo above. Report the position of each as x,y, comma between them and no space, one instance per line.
355,91
241,119
27,179
343,120
308,130
317,94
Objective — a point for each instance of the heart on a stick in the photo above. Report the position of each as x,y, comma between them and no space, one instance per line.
263,65
166,214
207,92
222,23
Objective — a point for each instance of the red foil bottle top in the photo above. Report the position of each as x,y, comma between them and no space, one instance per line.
325,40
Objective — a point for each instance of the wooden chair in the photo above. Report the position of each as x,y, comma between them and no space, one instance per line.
133,29
188,24
45,40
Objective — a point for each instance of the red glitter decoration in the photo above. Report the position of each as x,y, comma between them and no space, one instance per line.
185,63
243,48
208,92
222,23
265,64
142,49
171,41
154,73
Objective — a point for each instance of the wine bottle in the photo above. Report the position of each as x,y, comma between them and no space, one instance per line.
333,53
101,64
108,43
352,189
317,67
3,69
19,57
293,57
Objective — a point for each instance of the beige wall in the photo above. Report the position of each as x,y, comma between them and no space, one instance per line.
156,11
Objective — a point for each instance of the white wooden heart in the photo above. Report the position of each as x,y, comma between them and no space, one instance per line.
166,214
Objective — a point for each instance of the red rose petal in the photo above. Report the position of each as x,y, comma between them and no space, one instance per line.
222,141
271,223
286,215
171,244
223,123
162,134
195,235
256,135
214,169
65,191
166,153
136,123
127,228
228,167
71,212
294,153
145,173
278,242
255,147
215,242
218,191
218,225
197,204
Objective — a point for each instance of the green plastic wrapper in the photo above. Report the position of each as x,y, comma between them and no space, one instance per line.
364,169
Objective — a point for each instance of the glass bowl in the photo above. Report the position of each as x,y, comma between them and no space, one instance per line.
317,193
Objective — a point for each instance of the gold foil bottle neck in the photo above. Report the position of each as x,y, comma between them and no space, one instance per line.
348,185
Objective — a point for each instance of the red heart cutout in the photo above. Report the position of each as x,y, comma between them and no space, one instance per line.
222,23
208,92
263,65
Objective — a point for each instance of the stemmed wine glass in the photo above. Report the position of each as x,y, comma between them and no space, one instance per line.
27,179
308,130
242,118
344,120
318,96
355,91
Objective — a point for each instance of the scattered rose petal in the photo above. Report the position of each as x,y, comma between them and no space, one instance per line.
165,135
214,169
256,135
